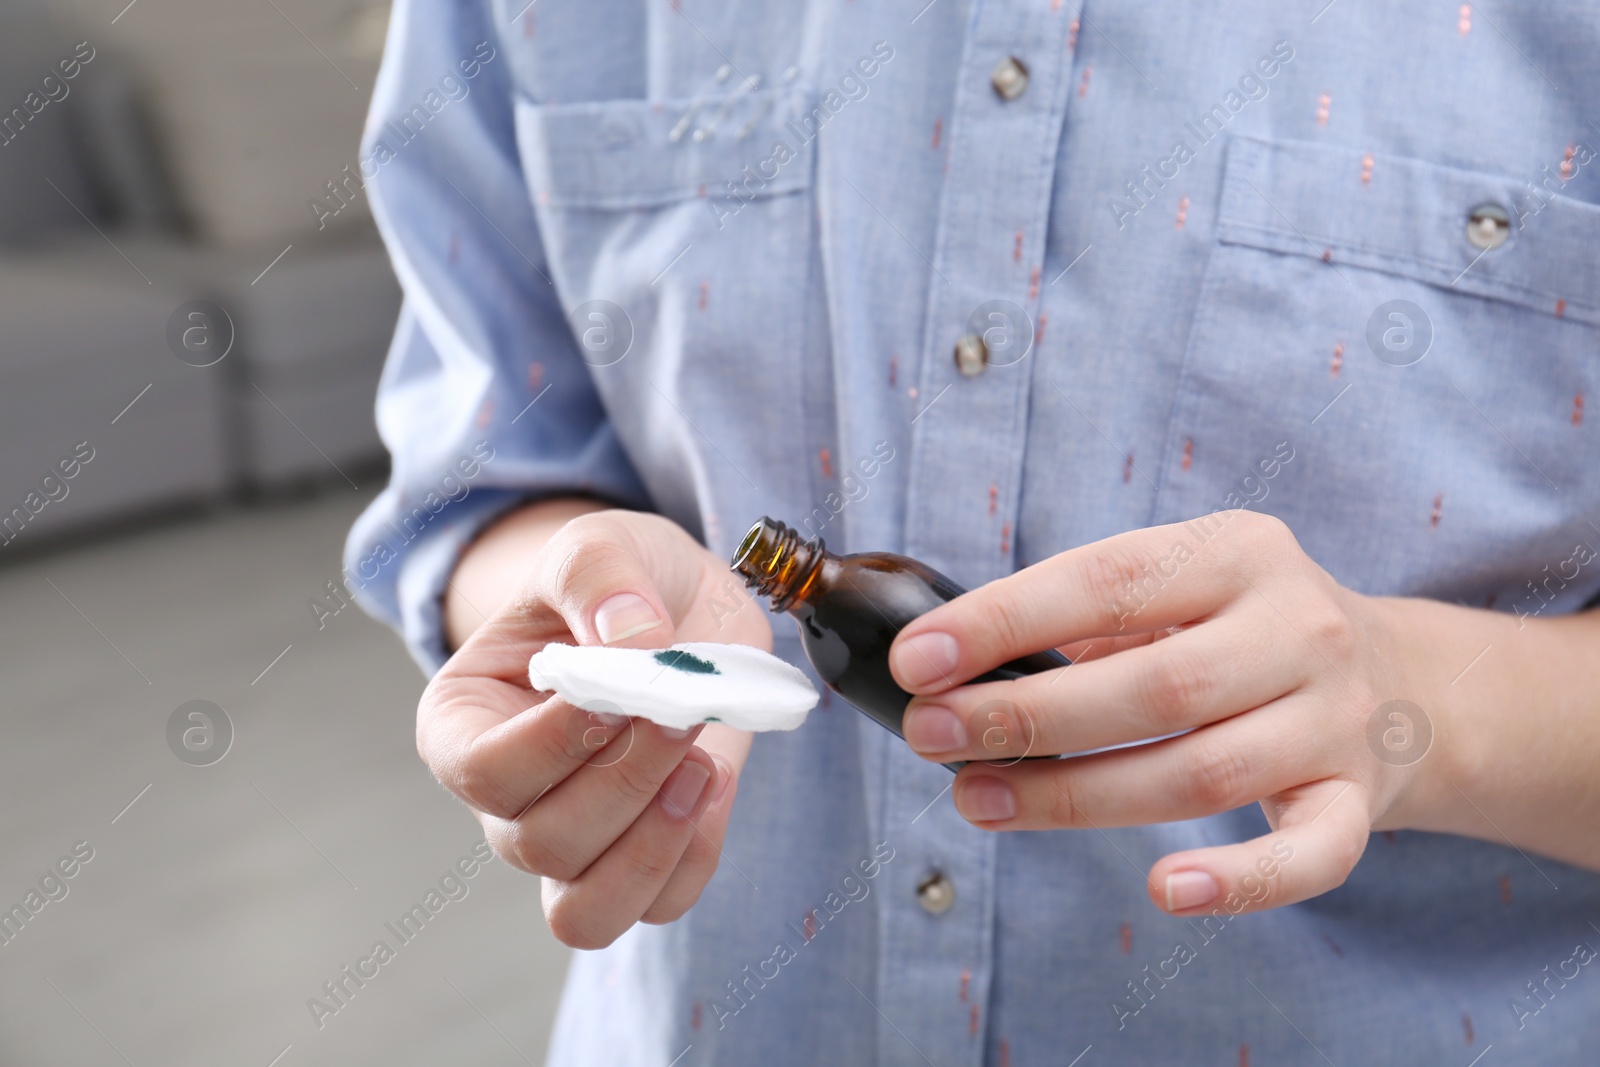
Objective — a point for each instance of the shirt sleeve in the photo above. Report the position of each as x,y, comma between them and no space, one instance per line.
484,403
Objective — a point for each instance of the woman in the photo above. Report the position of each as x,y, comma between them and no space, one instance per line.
1239,352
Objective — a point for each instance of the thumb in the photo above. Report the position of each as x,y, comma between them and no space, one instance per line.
1320,835
601,588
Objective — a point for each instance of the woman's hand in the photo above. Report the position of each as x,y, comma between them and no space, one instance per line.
622,817
1279,679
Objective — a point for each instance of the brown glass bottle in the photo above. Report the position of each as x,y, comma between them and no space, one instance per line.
850,608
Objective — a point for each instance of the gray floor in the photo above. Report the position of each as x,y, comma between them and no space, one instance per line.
220,901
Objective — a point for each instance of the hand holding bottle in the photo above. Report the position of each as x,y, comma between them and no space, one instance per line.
1280,679
623,818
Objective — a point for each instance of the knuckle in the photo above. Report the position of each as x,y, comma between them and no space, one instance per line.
582,736
1063,809
584,562
538,854
480,789
1263,531
512,856
1331,629
665,911
1257,540
586,527
1006,623
1003,728
1217,780
1113,576
502,838
649,866
632,781
574,928
529,849
1179,682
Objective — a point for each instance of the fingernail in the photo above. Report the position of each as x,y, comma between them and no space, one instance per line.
987,800
623,615
934,728
679,733
608,718
724,776
1190,889
680,793
925,658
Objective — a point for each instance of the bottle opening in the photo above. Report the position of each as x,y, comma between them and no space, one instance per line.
748,545
776,563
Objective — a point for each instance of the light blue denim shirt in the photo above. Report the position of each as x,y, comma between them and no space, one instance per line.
1339,262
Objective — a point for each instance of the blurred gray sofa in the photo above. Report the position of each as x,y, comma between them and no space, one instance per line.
97,256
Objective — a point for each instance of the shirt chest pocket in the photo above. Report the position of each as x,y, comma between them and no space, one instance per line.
679,236
1424,339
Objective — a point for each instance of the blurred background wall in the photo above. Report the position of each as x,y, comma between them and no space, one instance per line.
188,359
178,166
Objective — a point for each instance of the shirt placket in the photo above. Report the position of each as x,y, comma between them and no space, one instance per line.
937,947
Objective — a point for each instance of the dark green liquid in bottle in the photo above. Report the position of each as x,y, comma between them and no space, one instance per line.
850,608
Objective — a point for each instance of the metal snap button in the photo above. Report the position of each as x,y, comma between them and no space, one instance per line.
936,893
1009,78
972,355
1488,226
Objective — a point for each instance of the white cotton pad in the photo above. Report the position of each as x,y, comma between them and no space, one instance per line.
681,686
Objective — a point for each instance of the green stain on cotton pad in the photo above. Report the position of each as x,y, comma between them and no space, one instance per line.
686,662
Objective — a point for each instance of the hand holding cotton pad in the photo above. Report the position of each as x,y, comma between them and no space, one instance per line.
681,686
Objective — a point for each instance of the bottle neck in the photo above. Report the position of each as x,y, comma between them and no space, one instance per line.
775,562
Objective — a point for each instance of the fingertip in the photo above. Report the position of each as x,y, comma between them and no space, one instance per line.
925,662
986,801
933,730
